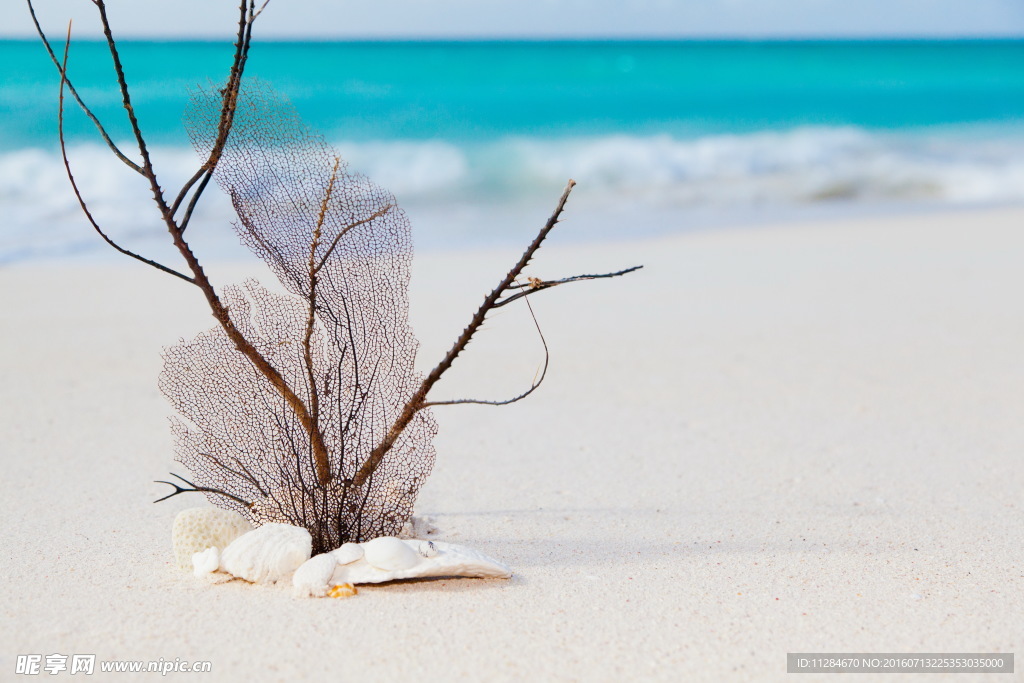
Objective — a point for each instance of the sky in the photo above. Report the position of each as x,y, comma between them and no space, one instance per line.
344,19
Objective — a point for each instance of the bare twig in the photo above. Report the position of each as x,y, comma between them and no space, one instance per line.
536,383
342,232
147,164
187,217
534,285
229,100
195,489
260,10
74,183
320,457
418,399
74,93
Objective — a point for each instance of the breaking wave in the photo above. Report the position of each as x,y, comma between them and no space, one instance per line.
795,168
808,165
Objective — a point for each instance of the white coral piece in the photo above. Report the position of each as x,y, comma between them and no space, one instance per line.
197,529
313,578
267,554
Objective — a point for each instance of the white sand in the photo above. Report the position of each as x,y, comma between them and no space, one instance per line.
780,439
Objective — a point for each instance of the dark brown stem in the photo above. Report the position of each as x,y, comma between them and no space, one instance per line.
147,164
199,278
74,93
74,183
534,285
187,217
533,387
196,489
320,457
418,400
229,102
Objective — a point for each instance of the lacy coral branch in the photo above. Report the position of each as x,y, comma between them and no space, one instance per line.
302,407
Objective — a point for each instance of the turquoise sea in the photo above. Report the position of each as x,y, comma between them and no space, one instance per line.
690,130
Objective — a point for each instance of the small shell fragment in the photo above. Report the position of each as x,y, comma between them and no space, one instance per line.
342,590
428,549
418,527
206,562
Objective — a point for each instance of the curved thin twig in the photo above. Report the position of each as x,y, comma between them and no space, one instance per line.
342,232
74,184
187,217
534,285
417,400
74,93
537,382
195,489
247,14
126,100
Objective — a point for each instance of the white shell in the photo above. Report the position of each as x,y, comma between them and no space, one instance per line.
348,553
389,554
313,577
197,529
206,562
428,549
448,560
267,554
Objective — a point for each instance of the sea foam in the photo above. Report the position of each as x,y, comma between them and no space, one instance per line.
803,167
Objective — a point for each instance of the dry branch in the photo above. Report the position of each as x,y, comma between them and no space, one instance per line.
62,68
74,184
302,408
491,301
535,285
533,387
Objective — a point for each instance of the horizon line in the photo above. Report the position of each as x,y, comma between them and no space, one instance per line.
561,39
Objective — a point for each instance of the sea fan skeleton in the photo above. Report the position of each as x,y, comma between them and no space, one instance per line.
300,407
342,249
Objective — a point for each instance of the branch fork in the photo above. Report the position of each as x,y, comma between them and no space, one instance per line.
176,212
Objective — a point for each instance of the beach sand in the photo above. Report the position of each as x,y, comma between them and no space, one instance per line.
797,438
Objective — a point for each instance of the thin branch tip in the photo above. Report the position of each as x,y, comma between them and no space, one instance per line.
310,384
195,489
74,93
418,401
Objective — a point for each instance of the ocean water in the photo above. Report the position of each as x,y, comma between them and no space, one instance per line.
474,137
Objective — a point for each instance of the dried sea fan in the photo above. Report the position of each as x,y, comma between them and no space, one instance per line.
340,338
300,407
